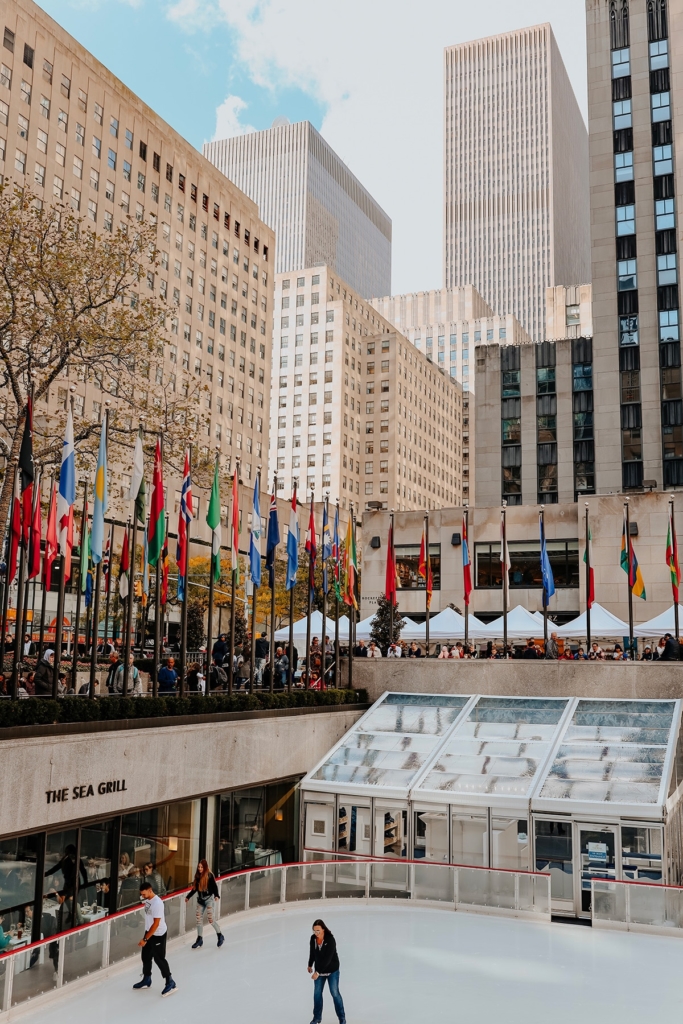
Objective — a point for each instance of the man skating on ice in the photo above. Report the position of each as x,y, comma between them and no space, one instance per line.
153,942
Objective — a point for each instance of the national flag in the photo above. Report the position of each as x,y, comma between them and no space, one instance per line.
145,571
326,547
106,562
272,540
156,528
466,566
27,473
85,550
14,529
101,499
336,553
164,567
33,562
88,589
66,496
138,491
424,566
350,566
184,519
235,531
629,563
125,567
546,568
50,539
391,582
213,520
672,556
588,558
255,541
311,548
292,546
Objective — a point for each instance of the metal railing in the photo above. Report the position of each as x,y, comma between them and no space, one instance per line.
637,906
34,969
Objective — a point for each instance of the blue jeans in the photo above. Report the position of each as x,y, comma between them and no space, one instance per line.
319,985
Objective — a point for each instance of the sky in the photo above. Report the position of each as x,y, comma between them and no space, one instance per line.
367,74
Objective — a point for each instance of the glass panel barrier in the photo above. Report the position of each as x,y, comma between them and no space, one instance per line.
172,915
35,972
433,882
3,976
83,952
304,882
389,879
191,911
654,905
486,888
126,931
534,894
345,880
233,891
264,888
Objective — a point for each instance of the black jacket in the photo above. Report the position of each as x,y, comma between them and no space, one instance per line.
671,650
43,679
262,647
202,897
324,957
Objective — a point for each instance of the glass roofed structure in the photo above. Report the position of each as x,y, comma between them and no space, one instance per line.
580,788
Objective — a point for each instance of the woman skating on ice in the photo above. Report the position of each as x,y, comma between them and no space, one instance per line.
323,964
207,893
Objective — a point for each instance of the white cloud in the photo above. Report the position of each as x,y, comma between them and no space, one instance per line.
228,121
378,71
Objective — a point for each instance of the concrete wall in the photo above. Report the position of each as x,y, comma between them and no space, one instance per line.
521,678
157,765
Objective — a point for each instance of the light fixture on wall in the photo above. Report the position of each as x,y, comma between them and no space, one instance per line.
173,844
279,815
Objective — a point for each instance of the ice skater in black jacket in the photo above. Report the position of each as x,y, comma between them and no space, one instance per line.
323,957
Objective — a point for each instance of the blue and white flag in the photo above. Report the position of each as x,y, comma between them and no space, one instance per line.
546,568
255,541
326,547
272,541
292,546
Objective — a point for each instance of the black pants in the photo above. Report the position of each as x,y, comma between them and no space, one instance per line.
155,949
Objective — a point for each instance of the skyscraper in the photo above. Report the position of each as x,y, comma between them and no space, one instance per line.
515,173
320,212
633,96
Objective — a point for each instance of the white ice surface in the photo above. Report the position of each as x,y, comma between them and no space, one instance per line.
398,964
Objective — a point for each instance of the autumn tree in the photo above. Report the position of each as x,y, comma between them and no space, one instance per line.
81,309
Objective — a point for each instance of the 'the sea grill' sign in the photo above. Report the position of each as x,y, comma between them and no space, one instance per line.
60,796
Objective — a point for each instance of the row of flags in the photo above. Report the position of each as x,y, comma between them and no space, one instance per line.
628,562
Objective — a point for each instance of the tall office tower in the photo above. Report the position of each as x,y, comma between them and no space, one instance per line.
515,173
358,412
632,96
92,144
320,212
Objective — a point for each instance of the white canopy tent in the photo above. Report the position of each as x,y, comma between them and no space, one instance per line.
446,625
282,635
661,624
603,624
521,625
365,625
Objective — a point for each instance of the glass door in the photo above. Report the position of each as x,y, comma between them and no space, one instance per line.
597,850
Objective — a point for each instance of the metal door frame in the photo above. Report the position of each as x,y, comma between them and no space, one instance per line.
595,826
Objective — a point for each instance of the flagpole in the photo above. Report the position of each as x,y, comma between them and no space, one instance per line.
311,565
352,611
5,594
108,591
254,592
322,551
337,655
209,628
186,594
588,586
505,582
74,660
674,547
541,518
272,603
628,576
130,601
29,558
290,653
427,594
44,597
390,556
233,581
18,640
466,517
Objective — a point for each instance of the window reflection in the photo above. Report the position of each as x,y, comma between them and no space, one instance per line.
391,831
470,838
353,828
525,557
554,856
431,835
407,560
510,843
641,853
17,888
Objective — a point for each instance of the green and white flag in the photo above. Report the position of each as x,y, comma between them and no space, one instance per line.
213,520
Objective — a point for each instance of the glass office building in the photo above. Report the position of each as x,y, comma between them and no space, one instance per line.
578,788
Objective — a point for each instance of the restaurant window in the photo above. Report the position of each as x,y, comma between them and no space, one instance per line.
258,826
18,860
525,558
167,838
407,561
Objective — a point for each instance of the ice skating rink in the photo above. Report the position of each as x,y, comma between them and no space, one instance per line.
398,965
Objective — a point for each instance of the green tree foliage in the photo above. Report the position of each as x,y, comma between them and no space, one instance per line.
380,627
